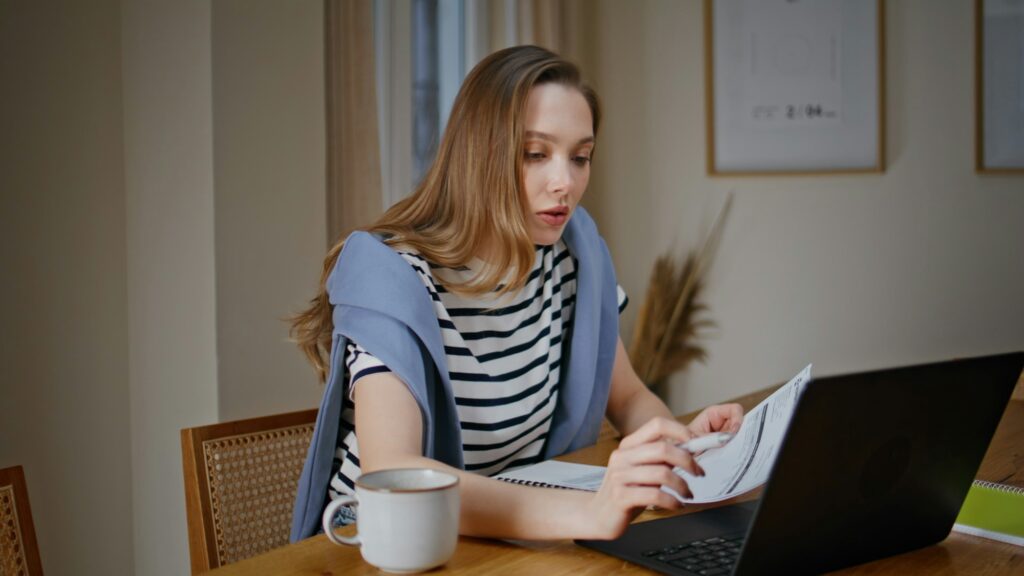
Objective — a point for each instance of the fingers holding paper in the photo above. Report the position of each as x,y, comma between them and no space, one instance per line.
639,469
717,418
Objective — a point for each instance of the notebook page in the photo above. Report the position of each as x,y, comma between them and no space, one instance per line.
555,474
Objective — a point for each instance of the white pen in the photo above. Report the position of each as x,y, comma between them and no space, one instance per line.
707,442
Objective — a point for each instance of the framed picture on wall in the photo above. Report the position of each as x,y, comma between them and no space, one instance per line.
795,86
999,86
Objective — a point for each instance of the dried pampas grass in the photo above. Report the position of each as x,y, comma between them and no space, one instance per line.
672,315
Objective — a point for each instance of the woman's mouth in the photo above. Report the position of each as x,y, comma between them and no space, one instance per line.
554,216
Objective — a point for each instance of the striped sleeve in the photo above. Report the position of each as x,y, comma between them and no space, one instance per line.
360,363
623,299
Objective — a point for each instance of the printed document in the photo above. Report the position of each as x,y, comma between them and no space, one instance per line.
745,462
738,467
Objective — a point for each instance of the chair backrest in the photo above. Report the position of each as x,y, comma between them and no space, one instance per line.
19,551
240,483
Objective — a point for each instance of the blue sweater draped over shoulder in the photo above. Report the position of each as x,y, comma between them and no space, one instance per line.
381,303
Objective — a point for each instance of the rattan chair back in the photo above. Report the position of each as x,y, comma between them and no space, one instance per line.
19,551
240,483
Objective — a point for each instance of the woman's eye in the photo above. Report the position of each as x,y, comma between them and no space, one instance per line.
582,160
535,155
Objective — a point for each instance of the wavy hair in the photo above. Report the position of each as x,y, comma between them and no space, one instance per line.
472,196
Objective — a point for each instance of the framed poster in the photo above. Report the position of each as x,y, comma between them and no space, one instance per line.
999,86
795,86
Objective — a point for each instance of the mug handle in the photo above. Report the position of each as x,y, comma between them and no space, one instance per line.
328,521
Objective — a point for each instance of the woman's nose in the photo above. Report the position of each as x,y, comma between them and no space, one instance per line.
560,177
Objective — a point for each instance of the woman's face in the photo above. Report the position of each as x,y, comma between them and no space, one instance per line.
559,140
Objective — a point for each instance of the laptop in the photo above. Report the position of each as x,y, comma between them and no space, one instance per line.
872,464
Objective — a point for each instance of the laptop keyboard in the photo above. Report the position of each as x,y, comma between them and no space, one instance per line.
710,557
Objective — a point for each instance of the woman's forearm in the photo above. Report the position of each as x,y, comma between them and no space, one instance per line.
494,509
631,404
639,408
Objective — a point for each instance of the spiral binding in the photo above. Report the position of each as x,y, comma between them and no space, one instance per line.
999,487
533,483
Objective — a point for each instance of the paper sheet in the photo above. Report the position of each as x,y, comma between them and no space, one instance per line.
746,461
555,474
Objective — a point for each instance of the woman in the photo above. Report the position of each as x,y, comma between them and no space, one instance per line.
474,327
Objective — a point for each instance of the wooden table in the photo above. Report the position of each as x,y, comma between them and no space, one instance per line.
957,554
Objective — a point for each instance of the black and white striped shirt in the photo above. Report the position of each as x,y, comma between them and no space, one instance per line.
504,360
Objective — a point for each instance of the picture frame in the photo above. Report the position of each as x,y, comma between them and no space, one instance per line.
795,86
999,86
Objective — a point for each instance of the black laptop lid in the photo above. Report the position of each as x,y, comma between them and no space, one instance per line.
877,463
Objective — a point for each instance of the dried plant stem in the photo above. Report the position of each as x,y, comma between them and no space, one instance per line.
703,258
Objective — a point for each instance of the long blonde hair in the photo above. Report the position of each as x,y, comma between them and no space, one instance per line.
472,195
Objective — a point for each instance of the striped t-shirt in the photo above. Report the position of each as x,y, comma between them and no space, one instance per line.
504,359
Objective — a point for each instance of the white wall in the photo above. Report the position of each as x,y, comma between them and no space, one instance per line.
168,138
921,263
225,176
162,194
63,314
270,175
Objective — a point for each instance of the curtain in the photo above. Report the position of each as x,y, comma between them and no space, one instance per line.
552,24
353,152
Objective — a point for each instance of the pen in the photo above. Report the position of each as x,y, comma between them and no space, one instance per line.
702,443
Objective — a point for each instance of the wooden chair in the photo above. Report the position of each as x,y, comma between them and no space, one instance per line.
240,483
19,551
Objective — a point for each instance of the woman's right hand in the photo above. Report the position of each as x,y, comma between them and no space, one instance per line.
637,470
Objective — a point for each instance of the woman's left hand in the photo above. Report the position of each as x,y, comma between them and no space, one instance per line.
717,418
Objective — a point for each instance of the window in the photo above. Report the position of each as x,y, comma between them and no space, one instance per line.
421,60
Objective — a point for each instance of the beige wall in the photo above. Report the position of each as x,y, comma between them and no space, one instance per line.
920,263
225,200
63,315
162,191
270,176
168,127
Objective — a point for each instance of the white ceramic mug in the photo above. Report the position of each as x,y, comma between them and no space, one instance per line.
408,518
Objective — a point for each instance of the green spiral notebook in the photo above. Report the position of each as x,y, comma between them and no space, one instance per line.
993,510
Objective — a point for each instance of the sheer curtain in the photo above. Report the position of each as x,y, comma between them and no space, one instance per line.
553,24
353,153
